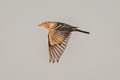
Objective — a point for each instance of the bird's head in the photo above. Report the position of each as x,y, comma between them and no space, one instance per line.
47,24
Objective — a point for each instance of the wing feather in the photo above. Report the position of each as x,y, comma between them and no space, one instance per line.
56,45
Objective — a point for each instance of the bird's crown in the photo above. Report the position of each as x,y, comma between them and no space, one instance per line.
47,24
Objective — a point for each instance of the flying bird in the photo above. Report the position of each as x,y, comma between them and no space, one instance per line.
58,36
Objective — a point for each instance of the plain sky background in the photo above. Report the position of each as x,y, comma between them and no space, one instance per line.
24,47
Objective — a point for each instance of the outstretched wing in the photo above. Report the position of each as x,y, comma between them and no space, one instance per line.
57,42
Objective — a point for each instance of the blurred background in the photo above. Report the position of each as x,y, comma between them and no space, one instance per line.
24,47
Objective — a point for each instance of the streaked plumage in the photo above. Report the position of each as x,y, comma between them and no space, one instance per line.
58,36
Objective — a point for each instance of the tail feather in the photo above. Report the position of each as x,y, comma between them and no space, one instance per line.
86,32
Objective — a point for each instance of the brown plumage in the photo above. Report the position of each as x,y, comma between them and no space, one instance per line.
58,36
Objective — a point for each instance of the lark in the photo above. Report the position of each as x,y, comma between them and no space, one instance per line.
58,36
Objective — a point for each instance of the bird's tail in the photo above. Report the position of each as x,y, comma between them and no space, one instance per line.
75,29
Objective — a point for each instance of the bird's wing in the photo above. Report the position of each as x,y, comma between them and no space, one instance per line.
57,42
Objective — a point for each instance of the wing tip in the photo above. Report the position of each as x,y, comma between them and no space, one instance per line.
53,61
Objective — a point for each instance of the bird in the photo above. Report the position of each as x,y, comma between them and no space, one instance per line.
58,37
